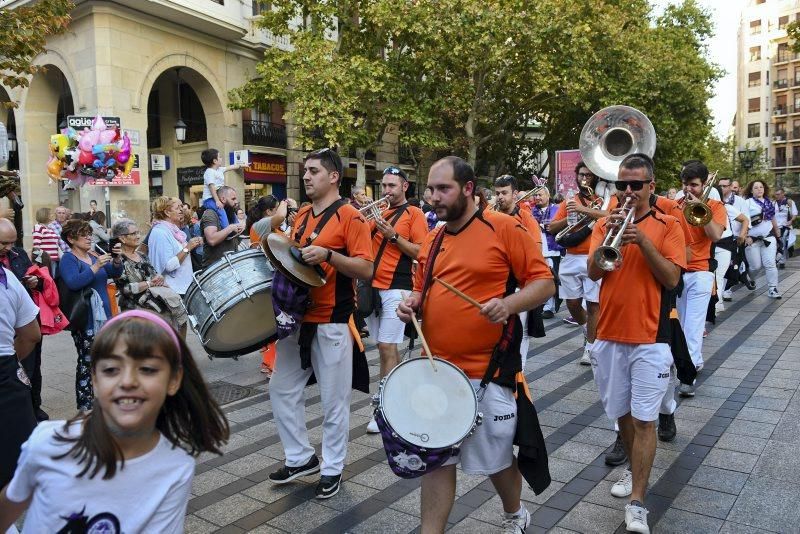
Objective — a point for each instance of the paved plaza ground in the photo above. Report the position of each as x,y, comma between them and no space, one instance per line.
732,468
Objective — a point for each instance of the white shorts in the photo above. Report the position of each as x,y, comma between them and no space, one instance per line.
631,378
574,279
490,449
387,328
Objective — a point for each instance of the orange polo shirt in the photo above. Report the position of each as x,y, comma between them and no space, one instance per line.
394,269
583,247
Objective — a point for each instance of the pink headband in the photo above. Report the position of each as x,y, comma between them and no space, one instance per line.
150,316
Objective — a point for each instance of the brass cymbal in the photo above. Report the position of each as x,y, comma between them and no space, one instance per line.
285,257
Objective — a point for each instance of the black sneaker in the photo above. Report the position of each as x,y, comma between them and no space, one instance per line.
287,474
328,486
617,456
547,314
41,415
666,426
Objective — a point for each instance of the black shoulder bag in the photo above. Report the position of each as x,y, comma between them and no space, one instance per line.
573,239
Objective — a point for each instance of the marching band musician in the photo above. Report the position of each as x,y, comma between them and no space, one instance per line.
467,337
343,250
396,238
575,284
698,280
631,358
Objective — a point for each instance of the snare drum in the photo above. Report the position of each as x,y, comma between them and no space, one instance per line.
230,304
424,415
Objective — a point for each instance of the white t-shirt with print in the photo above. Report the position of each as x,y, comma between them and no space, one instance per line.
149,494
214,178
18,310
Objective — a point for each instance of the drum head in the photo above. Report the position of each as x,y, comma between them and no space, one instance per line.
428,408
280,250
244,328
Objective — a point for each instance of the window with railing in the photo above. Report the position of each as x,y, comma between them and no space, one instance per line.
264,127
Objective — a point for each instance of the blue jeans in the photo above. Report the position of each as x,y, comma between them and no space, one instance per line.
223,217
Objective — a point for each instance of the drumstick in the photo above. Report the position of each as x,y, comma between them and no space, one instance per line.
418,328
461,294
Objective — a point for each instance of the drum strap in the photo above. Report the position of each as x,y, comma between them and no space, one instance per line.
427,280
329,212
396,217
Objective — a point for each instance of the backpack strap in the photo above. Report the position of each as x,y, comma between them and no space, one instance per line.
329,212
428,277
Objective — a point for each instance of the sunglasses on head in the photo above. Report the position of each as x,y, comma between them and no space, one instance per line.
328,152
635,185
395,171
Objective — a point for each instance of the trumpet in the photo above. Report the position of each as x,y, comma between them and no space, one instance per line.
608,256
697,212
374,210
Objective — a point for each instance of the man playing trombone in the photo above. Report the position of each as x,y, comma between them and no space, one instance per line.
631,358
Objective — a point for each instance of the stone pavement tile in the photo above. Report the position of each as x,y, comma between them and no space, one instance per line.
717,479
529,496
791,374
211,480
785,383
731,373
722,381
741,443
247,465
267,492
491,511
469,525
410,503
304,518
194,525
729,527
736,461
239,440
603,422
676,521
759,415
596,436
601,494
350,494
778,461
768,504
578,452
773,393
701,402
556,419
378,477
564,470
664,458
714,391
788,429
244,415
767,403
465,482
229,509
387,521
704,501
588,517
751,428
356,451
266,529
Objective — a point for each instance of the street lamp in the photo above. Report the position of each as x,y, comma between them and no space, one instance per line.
180,126
747,159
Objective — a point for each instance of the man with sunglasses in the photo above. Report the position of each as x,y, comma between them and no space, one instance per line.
738,228
631,358
575,285
396,239
334,236
698,280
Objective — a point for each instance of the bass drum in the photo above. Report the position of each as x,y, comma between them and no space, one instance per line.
230,304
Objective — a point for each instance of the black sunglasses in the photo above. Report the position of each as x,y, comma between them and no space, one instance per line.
396,172
328,152
586,175
635,185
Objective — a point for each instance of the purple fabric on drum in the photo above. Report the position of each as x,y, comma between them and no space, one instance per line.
289,301
406,459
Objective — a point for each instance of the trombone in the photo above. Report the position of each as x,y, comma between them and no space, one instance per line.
585,220
697,212
608,256
374,210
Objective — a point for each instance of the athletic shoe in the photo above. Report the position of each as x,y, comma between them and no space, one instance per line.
372,427
328,486
705,333
750,284
624,486
585,360
781,266
570,320
516,523
773,293
719,306
727,295
666,426
686,390
636,518
547,314
286,474
617,456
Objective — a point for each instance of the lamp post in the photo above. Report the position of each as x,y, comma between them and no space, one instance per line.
747,158
180,126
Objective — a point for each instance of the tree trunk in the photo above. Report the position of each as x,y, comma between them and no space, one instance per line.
361,170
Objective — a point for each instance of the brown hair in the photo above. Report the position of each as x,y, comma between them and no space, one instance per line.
43,215
74,228
160,206
748,190
191,419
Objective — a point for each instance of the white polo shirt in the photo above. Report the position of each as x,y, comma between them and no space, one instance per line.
18,310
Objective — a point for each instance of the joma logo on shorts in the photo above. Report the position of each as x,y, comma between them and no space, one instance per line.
504,417
663,375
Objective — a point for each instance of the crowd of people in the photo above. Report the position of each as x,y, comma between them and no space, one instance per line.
137,398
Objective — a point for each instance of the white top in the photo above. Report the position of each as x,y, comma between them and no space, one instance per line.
213,177
163,248
785,212
740,204
732,214
149,494
18,310
762,229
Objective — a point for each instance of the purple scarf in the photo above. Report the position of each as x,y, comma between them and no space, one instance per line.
767,208
543,216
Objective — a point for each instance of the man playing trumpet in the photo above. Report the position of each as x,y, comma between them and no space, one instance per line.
631,358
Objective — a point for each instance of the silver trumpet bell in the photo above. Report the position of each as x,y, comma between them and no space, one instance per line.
608,256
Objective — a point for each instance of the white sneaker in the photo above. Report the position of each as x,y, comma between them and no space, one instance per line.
773,293
719,306
372,427
636,519
516,523
624,486
585,359
727,295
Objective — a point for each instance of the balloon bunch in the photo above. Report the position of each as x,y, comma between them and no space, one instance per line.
99,152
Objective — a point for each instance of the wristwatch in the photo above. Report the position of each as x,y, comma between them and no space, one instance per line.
393,239
185,250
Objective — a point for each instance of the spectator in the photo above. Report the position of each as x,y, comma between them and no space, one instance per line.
62,215
360,198
46,239
219,240
97,221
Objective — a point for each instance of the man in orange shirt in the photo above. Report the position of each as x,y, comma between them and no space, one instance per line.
396,238
698,281
343,250
479,253
631,358
575,286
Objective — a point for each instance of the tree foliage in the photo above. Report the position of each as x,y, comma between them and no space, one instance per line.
23,35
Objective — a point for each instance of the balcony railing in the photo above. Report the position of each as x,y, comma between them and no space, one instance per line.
781,84
780,110
779,162
405,155
260,133
779,137
796,82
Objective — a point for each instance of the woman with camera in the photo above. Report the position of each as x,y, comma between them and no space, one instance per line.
84,277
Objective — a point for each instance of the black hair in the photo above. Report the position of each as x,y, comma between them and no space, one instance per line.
208,156
256,213
694,168
639,160
505,181
582,165
191,419
329,159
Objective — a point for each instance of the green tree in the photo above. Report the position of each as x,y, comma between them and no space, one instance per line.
23,35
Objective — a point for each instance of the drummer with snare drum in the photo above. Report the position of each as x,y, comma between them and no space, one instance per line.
478,253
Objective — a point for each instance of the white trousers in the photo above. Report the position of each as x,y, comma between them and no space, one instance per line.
668,402
692,308
723,258
332,362
759,256
526,341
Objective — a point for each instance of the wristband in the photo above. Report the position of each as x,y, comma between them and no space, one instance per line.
329,256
